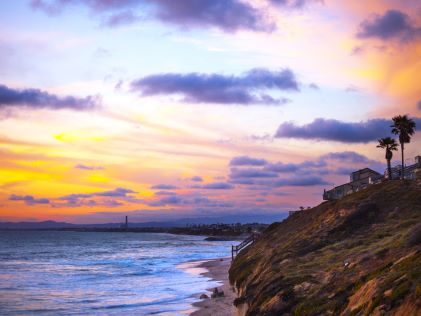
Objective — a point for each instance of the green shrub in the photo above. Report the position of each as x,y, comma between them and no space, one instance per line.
399,293
415,236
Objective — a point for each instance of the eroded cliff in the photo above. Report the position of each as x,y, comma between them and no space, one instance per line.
360,255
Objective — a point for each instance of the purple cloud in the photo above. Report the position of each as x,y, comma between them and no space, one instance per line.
306,173
160,193
301,181
28,199
247,161
393,24
227,15
170,200
194,199
85,167
121,18
215,186
196,179
314,86
37,99
320,164
237,173
79,199
419,105
348,156
220,89
119,192
330,129
75,196
164,187
282,167
293,4
111,203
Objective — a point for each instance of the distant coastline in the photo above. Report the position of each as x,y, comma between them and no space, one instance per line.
215,232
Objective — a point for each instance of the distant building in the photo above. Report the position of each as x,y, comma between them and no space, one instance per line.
126,224
410,172
359,180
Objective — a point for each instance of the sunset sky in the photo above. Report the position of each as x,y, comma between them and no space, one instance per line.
163,109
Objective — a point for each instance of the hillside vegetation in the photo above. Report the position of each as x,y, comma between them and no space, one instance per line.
360,255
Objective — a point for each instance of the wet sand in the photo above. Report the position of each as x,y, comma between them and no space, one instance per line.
217,270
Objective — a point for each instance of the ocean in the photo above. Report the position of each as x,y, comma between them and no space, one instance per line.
81,273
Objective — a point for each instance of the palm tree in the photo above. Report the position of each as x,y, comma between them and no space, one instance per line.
405,128
389,144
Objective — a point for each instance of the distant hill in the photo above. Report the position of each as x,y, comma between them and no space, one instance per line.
360,255
229,219
34,225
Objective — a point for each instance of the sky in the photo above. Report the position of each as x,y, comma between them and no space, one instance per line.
162,109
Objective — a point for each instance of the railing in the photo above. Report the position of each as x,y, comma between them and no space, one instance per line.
245,243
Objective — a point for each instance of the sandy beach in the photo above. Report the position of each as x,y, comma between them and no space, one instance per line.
216,269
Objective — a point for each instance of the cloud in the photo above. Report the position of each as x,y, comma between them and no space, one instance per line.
323,163
303,181
119,192
282,167
189,200
348,156
306,173
160,193
314,86
344,170
237,173
111,203
221,89
215,186
294,4
270,170
334,130
85,199
227,15
121,18
393,24
28,199
34,98
85,167
419,105
247,161
196,179
169,200
164,187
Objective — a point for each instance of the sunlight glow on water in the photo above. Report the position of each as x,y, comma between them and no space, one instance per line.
72,273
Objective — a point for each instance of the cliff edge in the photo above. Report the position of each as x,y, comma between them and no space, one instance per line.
360,255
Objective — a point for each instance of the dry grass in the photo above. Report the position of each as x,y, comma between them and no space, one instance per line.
336,248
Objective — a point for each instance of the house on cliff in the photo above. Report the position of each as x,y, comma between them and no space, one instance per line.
360,179
410,172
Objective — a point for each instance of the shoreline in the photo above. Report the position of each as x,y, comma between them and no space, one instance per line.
216,270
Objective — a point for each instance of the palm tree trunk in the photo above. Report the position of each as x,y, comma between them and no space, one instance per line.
389,170
403,165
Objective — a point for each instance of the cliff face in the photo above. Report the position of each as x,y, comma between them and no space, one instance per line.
357,256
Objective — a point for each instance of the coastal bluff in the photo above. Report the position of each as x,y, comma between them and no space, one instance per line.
360,255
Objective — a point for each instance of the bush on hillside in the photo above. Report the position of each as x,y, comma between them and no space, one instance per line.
415,236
